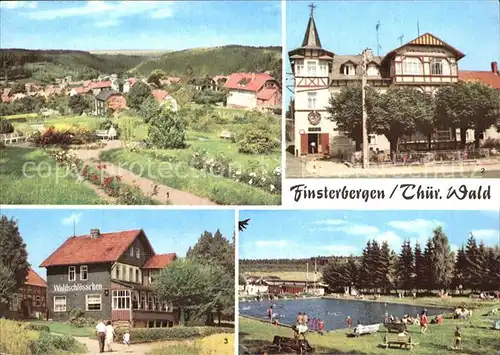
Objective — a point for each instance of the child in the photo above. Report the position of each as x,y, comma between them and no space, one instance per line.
321,326
458,338
423,322
349,322
126,338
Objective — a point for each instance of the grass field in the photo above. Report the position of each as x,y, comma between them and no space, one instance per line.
182,177
29,176
217,344
21,115
68,329
287,275
477,338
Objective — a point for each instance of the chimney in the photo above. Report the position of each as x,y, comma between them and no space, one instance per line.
94,233
494,67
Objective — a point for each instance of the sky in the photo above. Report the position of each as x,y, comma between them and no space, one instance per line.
138,25
169,231
303,234
348,27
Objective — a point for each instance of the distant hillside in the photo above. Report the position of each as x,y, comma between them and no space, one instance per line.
46,65
270,265
215,60
132,52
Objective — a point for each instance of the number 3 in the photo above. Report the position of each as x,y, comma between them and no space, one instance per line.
225,341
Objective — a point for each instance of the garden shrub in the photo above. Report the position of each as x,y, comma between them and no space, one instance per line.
37,327
48,343
256,141
491,143
6,126
145,335
167,131
78,320
64,137
14,338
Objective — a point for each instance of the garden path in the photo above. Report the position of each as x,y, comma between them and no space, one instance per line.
164,194
119,348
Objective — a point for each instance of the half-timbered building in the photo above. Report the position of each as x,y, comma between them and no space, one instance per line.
108,276
30,300
425,63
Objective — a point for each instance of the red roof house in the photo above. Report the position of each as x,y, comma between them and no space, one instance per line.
252,90
490,78
33,279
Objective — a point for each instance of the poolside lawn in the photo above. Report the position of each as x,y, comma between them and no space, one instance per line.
477,338
30,176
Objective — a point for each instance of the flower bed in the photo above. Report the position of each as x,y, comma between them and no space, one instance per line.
73,135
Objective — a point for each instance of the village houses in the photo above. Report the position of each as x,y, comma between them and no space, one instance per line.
253,90
426,63
30,300
109,276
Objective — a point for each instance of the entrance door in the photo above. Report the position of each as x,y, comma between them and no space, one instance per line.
313,143
303,144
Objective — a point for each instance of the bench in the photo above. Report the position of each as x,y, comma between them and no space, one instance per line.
11,138
106,133
365,329
397,339
301,346
395,327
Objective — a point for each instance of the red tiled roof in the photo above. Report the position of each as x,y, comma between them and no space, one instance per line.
486,77
266,94
34,279
107,247
159,261
160,95
81,90
100,85
254,81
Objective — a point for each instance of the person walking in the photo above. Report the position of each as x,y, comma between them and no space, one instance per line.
126,338
110,335
101,334
458,338
423,322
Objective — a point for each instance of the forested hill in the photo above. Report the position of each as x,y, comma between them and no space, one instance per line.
270,265
216,60
46,65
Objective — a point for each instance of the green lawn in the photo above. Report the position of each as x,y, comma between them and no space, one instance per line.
477,338
183,177
29,176
21,115
68,329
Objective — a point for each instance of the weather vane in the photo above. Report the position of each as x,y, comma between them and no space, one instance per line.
312,6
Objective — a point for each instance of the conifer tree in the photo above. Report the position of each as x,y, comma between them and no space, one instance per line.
406,267
442,260
420,279
460,269
473,268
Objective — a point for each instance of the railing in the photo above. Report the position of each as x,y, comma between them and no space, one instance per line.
11,138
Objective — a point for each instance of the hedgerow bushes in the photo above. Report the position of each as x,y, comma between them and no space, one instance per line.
5,126
145,335
73,135
48,343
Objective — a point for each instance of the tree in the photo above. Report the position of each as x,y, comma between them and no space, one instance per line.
188,284
400,111
78,104
139,93
385,268
460,271
340,274
441,260
13,257
366,279
473,269
167,130
345,109
420,276
8,285
492,272
155,77
257,140
467,105
405,267
149,109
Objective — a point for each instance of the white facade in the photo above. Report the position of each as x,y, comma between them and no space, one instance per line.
242,98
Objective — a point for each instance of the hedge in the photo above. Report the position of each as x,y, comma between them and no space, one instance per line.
48,343
37,327
145,335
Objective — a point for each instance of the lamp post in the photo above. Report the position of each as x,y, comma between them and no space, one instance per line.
366,56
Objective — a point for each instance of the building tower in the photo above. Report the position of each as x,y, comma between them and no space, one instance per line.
311,66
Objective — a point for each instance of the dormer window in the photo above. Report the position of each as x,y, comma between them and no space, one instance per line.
137,253
348,69
84,273
132,251
372,70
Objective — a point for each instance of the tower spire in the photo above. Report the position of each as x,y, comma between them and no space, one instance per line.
311,37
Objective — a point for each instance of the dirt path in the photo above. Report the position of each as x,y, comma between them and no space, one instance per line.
121,349
164,194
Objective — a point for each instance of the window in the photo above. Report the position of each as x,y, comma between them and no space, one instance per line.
93,302
132,251
143,301
300,67
440,67
314,129
323,69
157,304
131,274
135,300
117,271
311,100
72,273
372,70
84,272
372,139
121,299
348,69
38,301
59,303
137,253
137,276
311,68
150,303
412,66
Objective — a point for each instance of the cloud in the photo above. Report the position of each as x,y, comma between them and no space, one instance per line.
9,5
340,250
330,222
107,23
73,218
486,233
391,238
419,227
271,243
108,10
